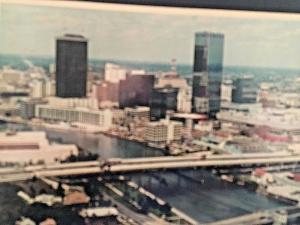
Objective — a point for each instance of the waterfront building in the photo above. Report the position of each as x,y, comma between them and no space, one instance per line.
135,90
71,66
163,100
208,69
114,73
106,93
118,116
163,132
34,147
244,90
140,113
100,118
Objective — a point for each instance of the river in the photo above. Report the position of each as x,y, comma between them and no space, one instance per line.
198,193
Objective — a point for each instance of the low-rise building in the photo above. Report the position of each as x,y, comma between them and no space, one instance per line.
75,198
163,132
32,147
140,113
101,118
27,107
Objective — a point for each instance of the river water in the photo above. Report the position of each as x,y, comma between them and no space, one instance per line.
198,193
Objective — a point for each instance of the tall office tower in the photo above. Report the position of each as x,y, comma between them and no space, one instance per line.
244,90
71,66
208,68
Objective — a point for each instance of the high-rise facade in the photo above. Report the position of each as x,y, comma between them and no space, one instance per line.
244,90
71,66
135,90
162,100
208,69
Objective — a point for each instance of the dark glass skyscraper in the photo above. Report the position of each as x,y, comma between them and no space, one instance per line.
244,90
71,66
208,69
162,100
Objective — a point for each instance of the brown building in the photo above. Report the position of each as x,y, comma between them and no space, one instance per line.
76,197
105,91
48,221
136,90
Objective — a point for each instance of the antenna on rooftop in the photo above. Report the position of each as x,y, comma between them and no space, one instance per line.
173,66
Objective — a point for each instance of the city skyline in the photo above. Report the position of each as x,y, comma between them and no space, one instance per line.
262,42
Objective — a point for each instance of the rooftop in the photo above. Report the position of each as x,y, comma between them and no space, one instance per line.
72,37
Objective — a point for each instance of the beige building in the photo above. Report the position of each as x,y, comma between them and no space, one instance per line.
137,114
101,118
25,147
163,132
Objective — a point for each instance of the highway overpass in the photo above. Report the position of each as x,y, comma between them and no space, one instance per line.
116,165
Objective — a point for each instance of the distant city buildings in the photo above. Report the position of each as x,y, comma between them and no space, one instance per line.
244,90
114,73
71,66
226,91
10,76
208,68
137,114
274,124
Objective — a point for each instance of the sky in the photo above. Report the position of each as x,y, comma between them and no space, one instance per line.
151,34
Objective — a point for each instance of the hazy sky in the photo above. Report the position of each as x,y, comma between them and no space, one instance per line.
149,36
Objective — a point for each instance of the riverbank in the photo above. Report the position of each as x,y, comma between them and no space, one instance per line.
81,128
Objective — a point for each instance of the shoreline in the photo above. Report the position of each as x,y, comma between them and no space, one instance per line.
59,128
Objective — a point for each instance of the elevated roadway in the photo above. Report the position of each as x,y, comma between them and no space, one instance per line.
144,164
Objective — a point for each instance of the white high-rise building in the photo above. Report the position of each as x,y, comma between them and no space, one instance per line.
41,88
114,73
49,88
226,91
184,100
37,89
